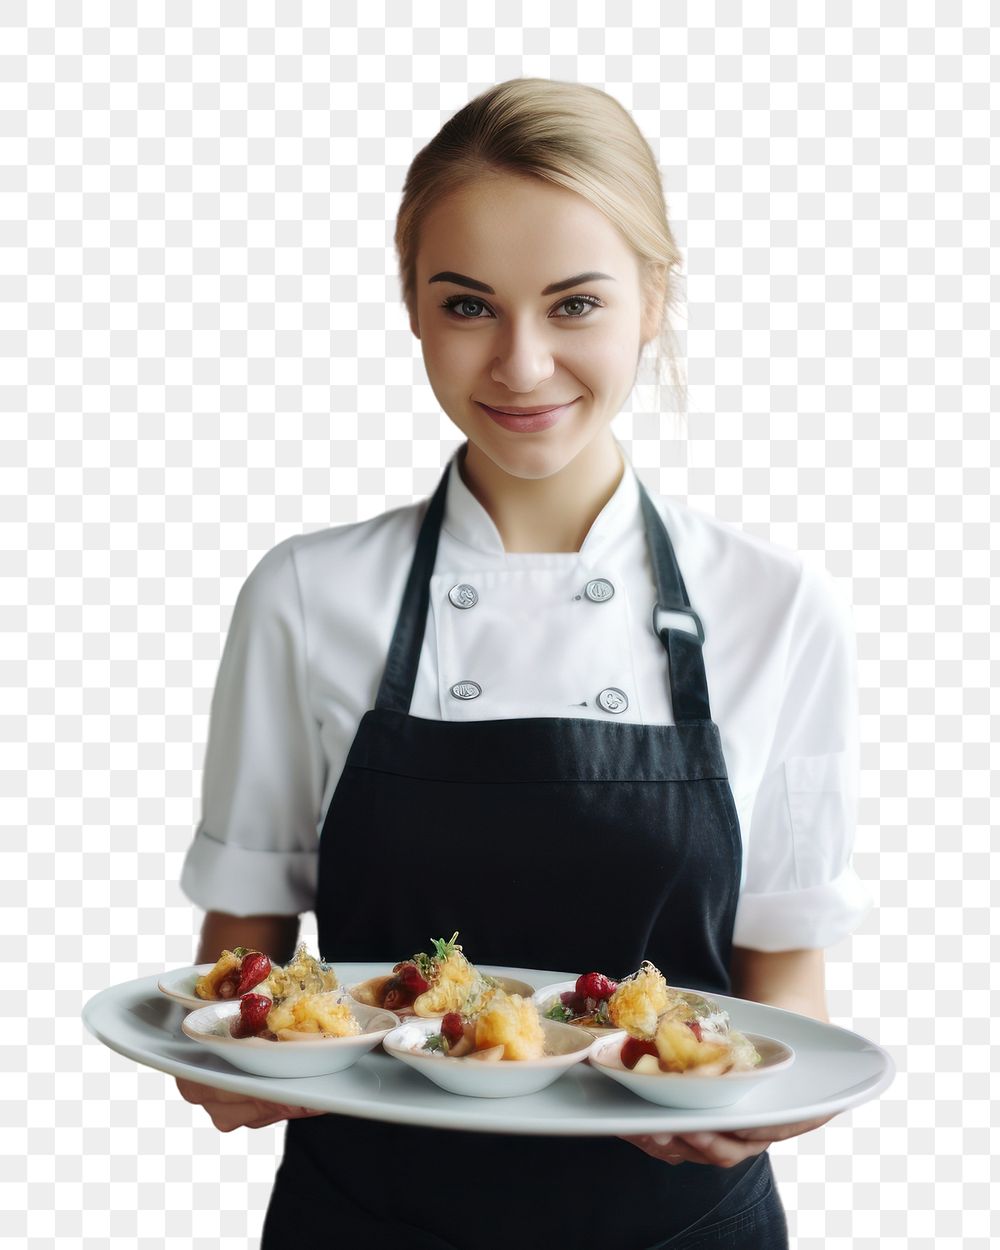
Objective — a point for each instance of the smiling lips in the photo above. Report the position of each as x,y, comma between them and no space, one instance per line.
528,412
526,420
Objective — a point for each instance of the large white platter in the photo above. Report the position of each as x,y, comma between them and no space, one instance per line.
834,1069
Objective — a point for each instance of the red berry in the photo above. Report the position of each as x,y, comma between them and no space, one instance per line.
595,985
409,974
254,968
574,1002
395,999
452,1028
252,1019
633,1049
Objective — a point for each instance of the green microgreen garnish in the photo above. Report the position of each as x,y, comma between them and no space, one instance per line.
559,1011
436,1041
425,965
445,949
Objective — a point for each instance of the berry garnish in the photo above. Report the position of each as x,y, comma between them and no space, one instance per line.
410,976
254,968
452,1028
633,1049
595,985
573,1002
252,1019
396,996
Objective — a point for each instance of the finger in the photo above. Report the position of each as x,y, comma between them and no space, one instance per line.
662,1146
721,1149
256,1114
202,1095
227,1119
650,1139
780,1132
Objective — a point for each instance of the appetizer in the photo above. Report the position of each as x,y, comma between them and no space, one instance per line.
303,974
300,1014
675,1030
289,1001
504,1026
428,985
587,1004
235,972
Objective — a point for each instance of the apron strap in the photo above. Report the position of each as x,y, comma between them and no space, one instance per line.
400,676
686,665
688,683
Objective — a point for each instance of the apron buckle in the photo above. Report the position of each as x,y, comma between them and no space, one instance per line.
680,610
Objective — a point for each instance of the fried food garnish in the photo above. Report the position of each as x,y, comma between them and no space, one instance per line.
302,975
640,1000
510,1021
314,1013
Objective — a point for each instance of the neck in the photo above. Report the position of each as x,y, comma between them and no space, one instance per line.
548,514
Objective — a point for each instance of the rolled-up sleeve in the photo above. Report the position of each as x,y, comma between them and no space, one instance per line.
255,849
801,889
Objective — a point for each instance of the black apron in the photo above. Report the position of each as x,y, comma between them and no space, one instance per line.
608,843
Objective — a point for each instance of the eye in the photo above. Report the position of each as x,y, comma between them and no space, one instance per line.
453,301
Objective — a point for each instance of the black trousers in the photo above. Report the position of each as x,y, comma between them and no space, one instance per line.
750,1217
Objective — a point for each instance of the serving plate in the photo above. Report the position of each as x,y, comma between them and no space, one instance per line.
834,1069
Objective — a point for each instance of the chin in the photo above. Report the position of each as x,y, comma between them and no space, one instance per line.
530,457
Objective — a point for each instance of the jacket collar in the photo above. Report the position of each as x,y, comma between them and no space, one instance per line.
467,520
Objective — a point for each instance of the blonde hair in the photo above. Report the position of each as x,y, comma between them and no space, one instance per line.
573,136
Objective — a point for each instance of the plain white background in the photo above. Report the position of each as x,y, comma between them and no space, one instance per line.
203,350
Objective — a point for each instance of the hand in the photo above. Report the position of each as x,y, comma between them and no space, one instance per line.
229,1111
724,1150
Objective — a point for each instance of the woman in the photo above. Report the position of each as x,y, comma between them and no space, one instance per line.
496,705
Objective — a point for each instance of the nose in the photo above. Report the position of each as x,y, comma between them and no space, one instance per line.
524,360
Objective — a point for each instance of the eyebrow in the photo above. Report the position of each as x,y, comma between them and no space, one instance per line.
461,280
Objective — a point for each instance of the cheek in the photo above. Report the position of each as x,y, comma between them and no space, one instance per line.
451,357
606,358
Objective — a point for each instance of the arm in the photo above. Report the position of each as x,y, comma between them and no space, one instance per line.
793,980
276,937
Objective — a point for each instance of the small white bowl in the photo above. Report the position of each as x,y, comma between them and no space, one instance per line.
689,1090
507,1078
310,1056
179,984
548,995
508,984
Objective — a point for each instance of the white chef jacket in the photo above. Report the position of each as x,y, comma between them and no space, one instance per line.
309,636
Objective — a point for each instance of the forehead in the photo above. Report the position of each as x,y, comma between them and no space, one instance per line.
500,229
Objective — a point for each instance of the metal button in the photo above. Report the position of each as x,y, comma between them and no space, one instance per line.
463,595
466,690
612,699
599,590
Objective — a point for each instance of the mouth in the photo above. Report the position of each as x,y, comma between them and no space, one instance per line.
528,412
527,420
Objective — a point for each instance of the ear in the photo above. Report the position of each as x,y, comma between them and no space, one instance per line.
414,323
